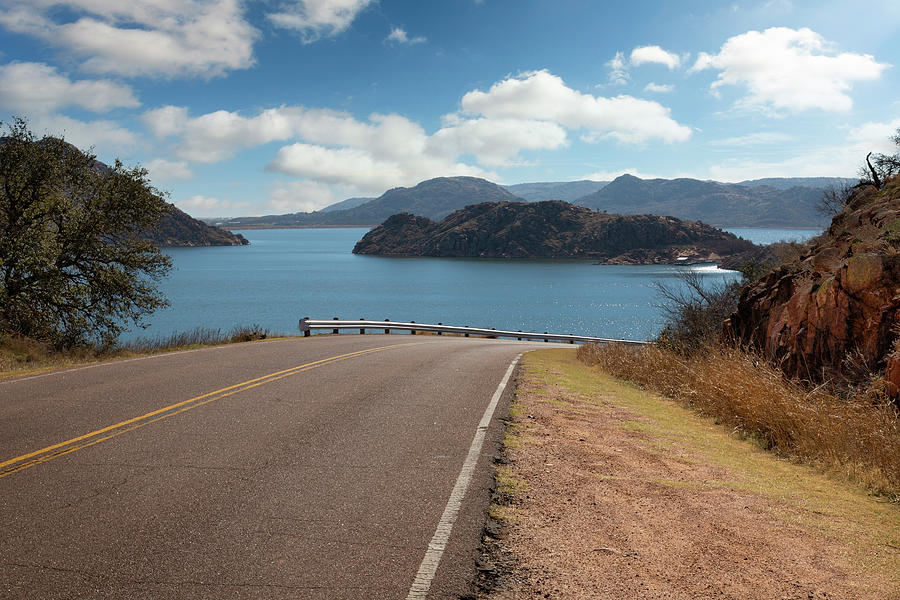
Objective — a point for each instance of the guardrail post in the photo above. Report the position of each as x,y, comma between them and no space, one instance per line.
439,333
306,331
386,330
467,333
412,331
335,331
545,339
362,330
519,338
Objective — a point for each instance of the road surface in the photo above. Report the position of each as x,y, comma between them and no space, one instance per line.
322,467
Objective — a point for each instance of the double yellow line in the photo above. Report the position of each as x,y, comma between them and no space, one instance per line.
26,461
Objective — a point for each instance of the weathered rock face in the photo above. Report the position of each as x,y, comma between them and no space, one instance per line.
839,302
550,229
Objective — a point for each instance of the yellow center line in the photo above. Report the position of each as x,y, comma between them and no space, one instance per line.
62,448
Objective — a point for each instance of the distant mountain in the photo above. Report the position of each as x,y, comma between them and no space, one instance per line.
720,204
435,199
567,191
784,183
345,204
550,229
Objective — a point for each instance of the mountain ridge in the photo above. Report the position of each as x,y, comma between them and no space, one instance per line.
772,202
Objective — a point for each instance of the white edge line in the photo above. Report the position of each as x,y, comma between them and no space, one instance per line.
428,568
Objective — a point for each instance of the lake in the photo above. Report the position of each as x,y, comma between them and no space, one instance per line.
286,274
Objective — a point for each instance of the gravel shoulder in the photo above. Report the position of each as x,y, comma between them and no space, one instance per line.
613,492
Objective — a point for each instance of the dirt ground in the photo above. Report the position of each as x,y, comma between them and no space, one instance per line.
611,492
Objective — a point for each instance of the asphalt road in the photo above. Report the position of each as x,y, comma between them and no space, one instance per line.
307,468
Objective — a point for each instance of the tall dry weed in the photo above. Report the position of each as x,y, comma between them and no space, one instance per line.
857,436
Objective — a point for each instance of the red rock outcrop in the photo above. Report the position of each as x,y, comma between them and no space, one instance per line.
839,302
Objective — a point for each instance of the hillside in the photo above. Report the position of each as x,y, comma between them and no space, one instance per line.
434,198
345,204
180,229
550,229
833,310
721,204
567,191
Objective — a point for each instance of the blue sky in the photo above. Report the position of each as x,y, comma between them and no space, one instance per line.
275,106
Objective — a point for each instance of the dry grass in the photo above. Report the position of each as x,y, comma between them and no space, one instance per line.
22,356
857,438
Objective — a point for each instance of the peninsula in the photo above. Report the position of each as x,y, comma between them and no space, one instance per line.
551,229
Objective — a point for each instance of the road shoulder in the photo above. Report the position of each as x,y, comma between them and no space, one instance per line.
612,492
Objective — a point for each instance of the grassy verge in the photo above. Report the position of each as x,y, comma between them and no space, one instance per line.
612,491
22,356
856,438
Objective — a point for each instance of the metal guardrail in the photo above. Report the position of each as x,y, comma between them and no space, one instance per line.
307,325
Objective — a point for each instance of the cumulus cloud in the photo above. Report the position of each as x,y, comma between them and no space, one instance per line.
398,35
31,88
162,170
496,142
659,88
792,69
540,95
140,37
330,146
654,54
531,112
315,19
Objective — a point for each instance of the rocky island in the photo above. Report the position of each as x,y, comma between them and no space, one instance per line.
551,229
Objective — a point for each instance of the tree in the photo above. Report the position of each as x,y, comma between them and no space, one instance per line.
881,167
73,267
878,169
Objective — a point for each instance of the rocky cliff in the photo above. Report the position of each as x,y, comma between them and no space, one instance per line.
550,229
836,308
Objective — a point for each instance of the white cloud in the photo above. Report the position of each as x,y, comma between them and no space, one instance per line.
398,35
209,206
496,142
654,54
32,88
838,160
140,37
299,196
363,169
166,121
659,88
108,138
618,70
528,113
315,19
540,95
168,170
789,69
759,138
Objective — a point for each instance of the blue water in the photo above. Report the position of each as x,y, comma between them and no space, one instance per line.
286,274
770,236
